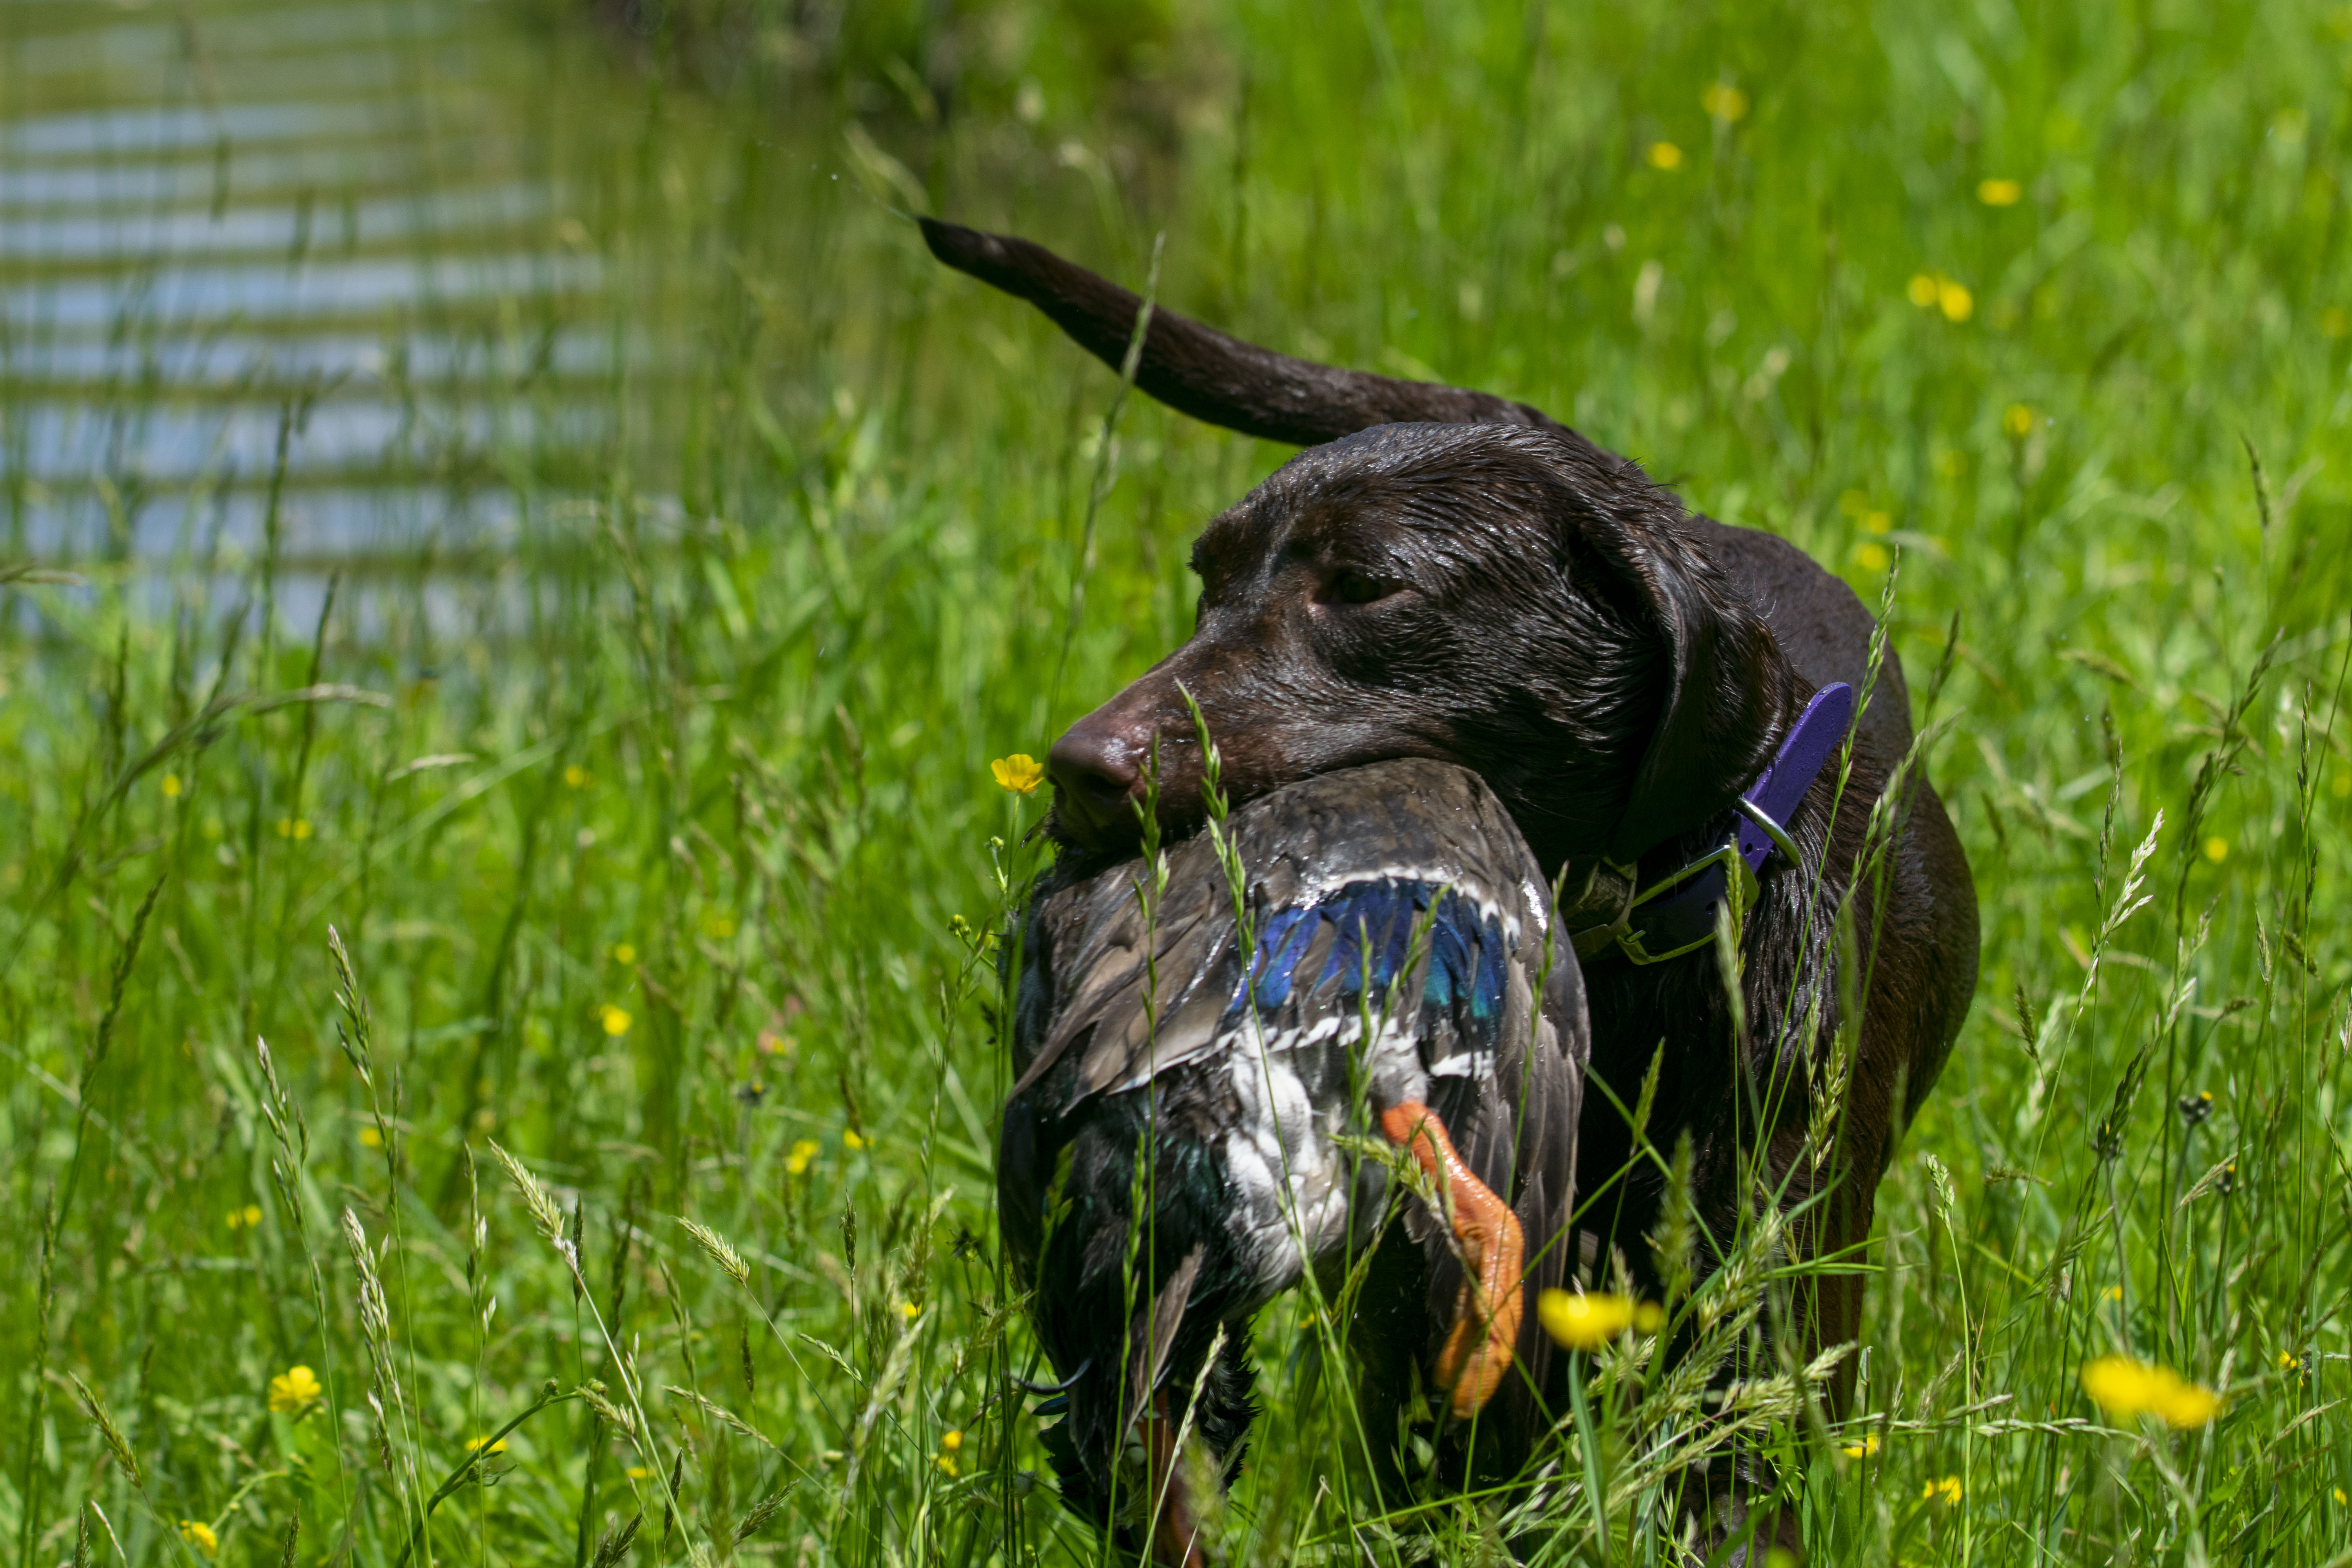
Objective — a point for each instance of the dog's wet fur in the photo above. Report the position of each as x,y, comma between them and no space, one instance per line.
1442,574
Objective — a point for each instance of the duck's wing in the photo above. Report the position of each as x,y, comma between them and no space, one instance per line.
1414,902
1352,879
1130,980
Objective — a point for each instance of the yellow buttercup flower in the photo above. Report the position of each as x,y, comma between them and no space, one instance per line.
1865,1449
575,775
199,1534
852,1139
803,1152
616,1020
171,786
371,1138
1020,773
1872,555
2216,849
1649,1318
624,953
640,1473
295,1390
1948,1488
2189,1405
910,1310
2124,1387
2000,193
1584,1323
2018,420
1724,101
1934,292
474,1444
1665,156
952,1441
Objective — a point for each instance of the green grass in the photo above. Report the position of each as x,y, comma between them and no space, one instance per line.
685,901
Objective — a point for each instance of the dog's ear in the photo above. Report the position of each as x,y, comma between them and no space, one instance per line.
1727,690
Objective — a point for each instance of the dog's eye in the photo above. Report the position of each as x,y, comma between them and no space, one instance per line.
1357,588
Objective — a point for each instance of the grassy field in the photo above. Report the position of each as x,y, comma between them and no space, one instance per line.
661,851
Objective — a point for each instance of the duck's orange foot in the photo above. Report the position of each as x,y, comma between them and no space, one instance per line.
1478,1350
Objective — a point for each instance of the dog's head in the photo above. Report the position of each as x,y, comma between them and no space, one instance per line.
1493,595
1452,576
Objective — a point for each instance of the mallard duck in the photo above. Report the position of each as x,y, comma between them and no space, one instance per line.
1352,1029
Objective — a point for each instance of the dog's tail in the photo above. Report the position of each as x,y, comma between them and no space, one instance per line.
1201,371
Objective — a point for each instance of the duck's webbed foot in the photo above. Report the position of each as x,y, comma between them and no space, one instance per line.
1478,1350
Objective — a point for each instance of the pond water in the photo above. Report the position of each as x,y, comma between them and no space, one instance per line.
427,296
288,279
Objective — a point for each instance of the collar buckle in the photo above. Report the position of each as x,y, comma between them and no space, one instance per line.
1724,864
1682,903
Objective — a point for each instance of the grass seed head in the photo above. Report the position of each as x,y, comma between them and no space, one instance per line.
601,1403
382,1431
545,1213
375,1313
730,1261
354,1029
614,1544
761,1513
718,1413
1674,1240
116,1443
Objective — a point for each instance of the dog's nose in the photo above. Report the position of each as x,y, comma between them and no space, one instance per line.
1095,776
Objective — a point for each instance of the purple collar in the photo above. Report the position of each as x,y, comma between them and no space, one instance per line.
1676,915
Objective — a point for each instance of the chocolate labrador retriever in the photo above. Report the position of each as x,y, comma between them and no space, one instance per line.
1443,573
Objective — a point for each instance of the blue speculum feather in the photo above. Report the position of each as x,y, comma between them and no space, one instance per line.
1378,918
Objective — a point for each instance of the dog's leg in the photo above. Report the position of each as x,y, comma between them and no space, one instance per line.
1176,1532
1477,1352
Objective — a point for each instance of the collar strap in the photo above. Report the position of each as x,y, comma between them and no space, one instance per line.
1677,914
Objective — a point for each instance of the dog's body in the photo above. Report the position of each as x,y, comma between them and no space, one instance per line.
1459,577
